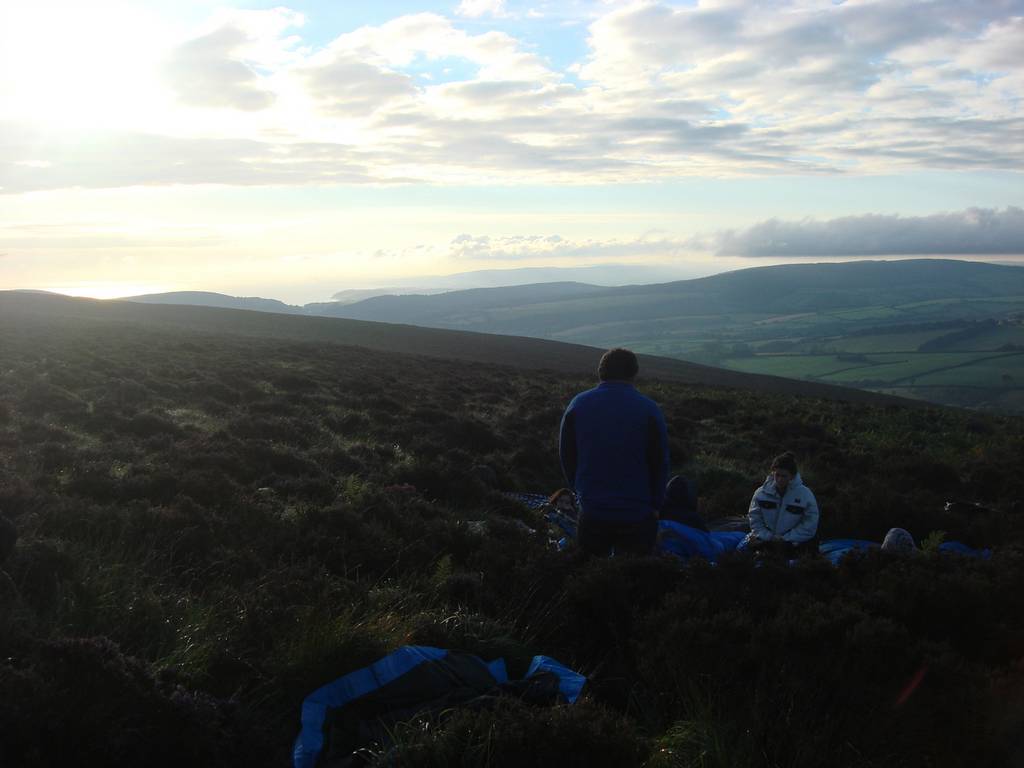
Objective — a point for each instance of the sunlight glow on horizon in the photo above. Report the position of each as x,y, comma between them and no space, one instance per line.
107,290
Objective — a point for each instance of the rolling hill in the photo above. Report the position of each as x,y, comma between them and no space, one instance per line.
945,331
529,353
209,299
760,291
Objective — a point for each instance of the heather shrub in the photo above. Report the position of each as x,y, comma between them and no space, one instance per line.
149,424
468,434
510,733
273,429
16,494
42,398
207,487
54,456
40,568
8,538
601,604
250,519
104,708
41,432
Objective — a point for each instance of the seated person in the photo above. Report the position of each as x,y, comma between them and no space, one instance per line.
561,511
899,540
783,512
564,502
680,504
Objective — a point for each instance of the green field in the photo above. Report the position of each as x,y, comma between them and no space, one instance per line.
865,313
887,342
935,349
790,366
895,367
991,338
962,377
992,373
1012,301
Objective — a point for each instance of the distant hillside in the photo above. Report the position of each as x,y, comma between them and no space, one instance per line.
456,309
776,290
580,311
527,353
946,331
208,299
598,274
592,314
351,296
940,330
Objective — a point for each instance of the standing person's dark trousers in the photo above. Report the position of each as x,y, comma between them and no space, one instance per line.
613,446
601,538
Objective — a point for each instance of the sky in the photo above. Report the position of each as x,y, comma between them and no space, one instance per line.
300,149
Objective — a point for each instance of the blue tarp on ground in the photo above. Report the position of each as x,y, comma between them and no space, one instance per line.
532,500
413,679
836,549
565,523
959,548
686,542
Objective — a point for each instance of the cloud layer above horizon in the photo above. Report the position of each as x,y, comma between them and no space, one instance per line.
976,231
972,232
468,96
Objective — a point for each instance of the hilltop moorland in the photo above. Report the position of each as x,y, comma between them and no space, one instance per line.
944,331
207,514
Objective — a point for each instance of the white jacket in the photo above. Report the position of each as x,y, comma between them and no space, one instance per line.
792,517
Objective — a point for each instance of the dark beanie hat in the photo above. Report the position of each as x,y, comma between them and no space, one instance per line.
682,493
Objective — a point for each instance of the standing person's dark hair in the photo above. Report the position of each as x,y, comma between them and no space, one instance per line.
613,445
618,365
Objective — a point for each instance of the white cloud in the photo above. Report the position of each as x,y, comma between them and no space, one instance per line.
976,231
474,9
106,159
351,87
475,249
779,68
545,248
204,73
221,68
664,91
400,42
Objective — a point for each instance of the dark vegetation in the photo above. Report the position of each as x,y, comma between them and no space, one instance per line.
199,529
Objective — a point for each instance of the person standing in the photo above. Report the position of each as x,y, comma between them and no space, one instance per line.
783,512
613,446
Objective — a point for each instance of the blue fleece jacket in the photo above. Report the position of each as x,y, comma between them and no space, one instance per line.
614,450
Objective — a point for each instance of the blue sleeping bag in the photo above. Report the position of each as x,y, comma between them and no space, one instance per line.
686,542
363,706
959,548
836,549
